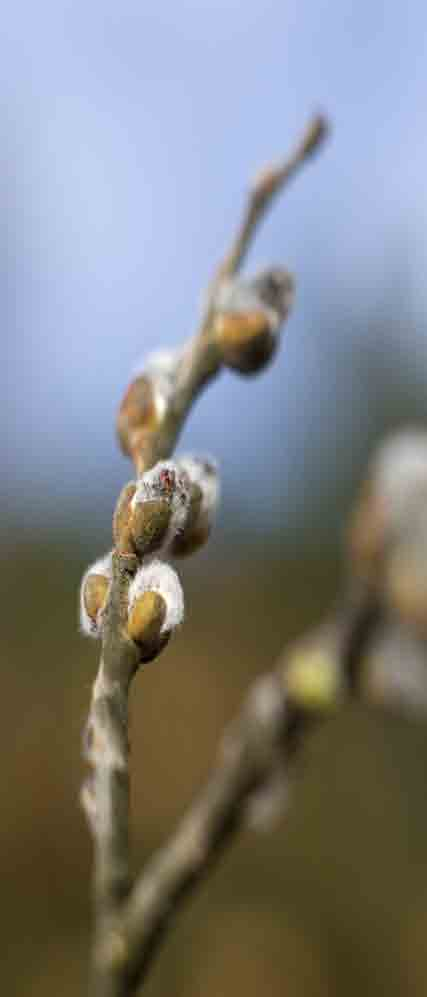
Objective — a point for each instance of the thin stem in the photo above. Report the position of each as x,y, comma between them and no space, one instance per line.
106,794
269,183
248,753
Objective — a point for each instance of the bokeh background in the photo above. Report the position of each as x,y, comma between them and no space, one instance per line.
128,133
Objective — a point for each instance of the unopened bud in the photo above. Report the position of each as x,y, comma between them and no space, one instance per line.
138,414
203,475
405,580
93,596
146,400
276,289
248,317
389,520
146,618
247,340
156,607
150,523
312,676
159,507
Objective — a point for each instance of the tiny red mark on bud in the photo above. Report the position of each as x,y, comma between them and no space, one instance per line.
167,480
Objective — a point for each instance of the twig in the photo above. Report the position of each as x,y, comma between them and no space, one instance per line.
268,727
105,795
267,184
362,618
200,359
308,685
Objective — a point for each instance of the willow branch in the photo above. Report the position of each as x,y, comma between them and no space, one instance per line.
105,795
268,729
308,685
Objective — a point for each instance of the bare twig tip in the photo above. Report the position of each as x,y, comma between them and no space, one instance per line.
318,130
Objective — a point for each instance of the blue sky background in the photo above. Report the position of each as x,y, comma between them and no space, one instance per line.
128,133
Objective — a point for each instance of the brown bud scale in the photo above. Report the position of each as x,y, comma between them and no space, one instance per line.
246,340
137,412
194,534
149,524
145,621
122,520
95,594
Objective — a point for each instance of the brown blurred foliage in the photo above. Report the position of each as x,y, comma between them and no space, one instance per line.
332,902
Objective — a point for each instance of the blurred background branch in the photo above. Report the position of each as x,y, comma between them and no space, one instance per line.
372,649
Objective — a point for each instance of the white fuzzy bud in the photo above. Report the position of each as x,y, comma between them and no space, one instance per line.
203,471
93,593
163,362
159,577
242,296
160,367
248,316
400,472
166,481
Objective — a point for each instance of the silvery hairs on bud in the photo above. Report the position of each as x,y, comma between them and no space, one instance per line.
275,287
92,625
399,470
203,471
271,289
160,367
158,576
166,481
